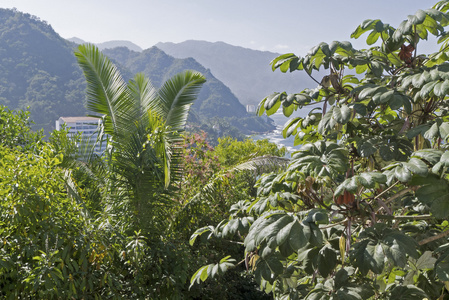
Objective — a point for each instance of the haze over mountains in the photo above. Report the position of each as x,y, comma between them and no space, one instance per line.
110,44
38,69
247,72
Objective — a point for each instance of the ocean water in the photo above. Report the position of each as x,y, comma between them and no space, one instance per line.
276,137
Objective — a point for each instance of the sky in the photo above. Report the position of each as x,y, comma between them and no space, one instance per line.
280,26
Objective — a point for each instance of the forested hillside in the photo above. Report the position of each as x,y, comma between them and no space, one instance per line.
38,69
215,99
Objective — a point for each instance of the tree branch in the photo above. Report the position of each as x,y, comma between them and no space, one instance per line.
433,238
310,75
389,188
404,218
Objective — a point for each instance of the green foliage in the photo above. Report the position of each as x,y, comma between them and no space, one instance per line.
231,152
15,129
50,247
360,211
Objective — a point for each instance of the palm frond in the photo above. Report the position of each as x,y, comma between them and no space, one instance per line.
142,93
263,164
258,166
106,90
176,96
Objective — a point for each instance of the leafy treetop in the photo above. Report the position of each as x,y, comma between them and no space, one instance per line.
361,210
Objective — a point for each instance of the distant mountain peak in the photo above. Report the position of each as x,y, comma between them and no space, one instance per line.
119,43
110,44
76,40
221,44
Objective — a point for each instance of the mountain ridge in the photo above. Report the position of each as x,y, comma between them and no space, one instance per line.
255,79
151,59
109,44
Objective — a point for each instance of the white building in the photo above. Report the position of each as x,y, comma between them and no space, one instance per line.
86,125
250,108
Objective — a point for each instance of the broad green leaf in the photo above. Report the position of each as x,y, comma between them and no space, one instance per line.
379,245
409,292
432,156
327,260
367,255
298,238
436,195
442,263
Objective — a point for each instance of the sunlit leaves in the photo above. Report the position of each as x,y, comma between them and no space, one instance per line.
366,180
287,62
403,171
318,56
377,28
422,23
429,83
212,270
320,159
382,95
375,142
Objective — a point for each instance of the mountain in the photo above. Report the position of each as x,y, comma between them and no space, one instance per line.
109,44
214,99
245,71
38,69
76,40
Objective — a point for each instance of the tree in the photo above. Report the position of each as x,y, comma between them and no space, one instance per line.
143,126
361,210
139,175
51,247
15,129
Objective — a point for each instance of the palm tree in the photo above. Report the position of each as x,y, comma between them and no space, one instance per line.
142,126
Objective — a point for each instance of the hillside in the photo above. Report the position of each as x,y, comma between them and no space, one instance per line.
38,69
245,71
215,99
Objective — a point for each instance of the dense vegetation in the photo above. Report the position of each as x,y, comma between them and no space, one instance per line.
78,226
361,211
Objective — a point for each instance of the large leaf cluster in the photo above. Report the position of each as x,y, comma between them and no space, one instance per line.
359,212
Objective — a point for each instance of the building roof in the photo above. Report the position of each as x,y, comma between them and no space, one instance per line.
78,119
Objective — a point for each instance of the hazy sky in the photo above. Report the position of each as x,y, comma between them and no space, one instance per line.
280,26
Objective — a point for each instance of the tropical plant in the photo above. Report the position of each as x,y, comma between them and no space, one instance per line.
15,129
139,174
361,210
213,183
142,126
